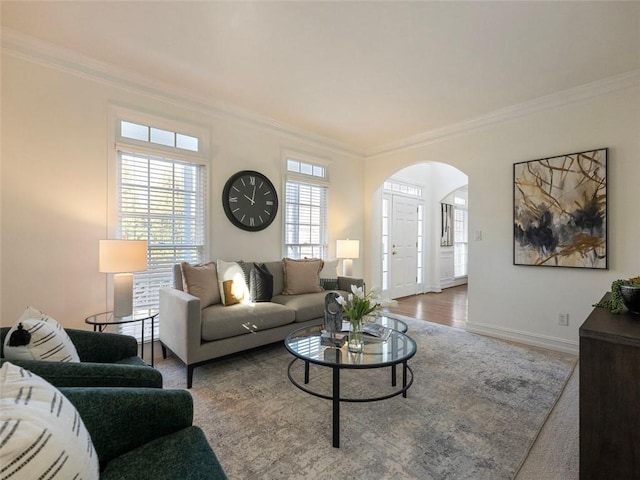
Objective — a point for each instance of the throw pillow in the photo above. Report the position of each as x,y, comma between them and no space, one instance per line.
235,290
43,434
302,276
261,284
329,275
47,340
201,281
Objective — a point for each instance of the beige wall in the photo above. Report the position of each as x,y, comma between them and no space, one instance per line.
55,186
523,302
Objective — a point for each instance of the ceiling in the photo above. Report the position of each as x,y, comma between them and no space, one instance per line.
364,74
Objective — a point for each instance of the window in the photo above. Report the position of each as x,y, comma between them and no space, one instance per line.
305,214
386,213
161,198
460,238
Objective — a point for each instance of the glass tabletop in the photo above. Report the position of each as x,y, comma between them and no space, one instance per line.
390,322
306,344
107,318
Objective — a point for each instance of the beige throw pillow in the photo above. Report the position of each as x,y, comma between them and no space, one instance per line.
302,276
201,281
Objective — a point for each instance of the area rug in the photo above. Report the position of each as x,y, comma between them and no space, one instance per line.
475,407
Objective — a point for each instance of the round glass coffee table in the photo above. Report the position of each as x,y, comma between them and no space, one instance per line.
306,344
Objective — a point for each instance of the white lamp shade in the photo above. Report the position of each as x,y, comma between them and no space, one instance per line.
347,248
123,256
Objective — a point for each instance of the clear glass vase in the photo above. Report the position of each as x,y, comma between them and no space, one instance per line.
356,343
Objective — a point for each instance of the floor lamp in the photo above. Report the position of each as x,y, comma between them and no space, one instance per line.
122,257
347,250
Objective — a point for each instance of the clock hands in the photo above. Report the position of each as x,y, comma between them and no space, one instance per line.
252,199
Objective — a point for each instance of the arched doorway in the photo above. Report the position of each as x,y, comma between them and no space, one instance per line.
407,226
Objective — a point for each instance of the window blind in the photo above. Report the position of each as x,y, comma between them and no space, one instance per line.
161,200
305,219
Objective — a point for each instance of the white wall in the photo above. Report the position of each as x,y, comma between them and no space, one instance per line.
523,302
54,195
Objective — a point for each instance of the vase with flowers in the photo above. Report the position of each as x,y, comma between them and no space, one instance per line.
357,306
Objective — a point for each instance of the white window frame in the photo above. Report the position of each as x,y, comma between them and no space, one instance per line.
149,149
318,179
460,238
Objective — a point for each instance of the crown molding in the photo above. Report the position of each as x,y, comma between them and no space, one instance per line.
554,100
29,48
32,49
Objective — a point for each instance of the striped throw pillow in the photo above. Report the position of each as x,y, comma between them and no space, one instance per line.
49,342
41,432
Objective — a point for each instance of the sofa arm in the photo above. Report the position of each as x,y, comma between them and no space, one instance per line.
88,374
180,323
102,347
344,283
122,419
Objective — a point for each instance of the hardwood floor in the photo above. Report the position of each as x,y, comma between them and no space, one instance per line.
447,308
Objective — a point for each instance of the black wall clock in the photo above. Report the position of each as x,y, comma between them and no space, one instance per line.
250,200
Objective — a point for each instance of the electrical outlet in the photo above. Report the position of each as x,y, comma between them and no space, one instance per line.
563,319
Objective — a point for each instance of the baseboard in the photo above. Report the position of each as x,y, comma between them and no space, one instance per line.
537,340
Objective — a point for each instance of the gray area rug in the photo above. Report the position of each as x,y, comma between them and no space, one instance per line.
473,412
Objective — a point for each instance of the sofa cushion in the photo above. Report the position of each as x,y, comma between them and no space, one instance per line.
261,283
220,322
302,276
231,280
44,436
48,341
201,281
307,305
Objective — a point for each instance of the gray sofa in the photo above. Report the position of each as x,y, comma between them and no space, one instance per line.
198,336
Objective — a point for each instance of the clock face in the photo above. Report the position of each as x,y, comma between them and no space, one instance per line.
250,200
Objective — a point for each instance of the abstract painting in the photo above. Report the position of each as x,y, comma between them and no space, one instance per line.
560,211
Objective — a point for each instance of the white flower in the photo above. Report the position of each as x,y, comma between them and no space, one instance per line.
357,291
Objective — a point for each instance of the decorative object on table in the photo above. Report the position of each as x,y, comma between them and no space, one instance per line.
333,313
122,257
250,200
624,293
347,250
560,211
357,306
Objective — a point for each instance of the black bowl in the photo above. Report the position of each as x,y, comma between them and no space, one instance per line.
631,297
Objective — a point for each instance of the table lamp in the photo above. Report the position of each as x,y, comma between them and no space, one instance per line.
347,250
123,257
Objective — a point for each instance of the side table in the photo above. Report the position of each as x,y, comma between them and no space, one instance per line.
101,321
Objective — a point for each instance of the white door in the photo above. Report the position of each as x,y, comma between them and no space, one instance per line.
404,249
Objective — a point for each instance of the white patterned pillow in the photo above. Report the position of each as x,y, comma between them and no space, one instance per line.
232,283
329,275
49,342
42,434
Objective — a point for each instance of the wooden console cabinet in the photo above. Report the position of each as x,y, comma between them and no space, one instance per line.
610,396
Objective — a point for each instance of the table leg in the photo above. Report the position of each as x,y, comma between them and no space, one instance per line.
336,407
404,379
152,341
393,376
142,342
306,372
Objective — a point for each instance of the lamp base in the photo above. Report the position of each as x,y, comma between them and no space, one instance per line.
122,295
347,267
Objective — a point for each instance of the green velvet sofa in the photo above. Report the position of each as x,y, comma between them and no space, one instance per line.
145,433
106,360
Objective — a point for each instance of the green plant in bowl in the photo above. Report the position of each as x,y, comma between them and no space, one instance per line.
616,302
